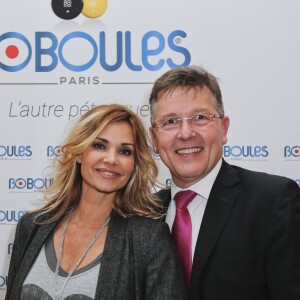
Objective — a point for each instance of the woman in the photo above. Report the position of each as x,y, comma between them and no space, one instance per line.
95,238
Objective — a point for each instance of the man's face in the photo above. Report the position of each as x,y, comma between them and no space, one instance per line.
189,151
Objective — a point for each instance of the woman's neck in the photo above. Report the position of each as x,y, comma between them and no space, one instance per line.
92,212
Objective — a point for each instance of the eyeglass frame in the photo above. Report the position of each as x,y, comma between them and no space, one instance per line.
211,117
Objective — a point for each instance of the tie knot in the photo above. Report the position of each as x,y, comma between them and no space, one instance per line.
183,198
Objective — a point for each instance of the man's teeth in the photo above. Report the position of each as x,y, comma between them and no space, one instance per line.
189,151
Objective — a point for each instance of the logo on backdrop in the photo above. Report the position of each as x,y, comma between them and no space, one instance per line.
238,152
10,247
49,51
10,217
26,185
70,9
13,151
154,155
292,152
3,282
298,181
54,151
168,182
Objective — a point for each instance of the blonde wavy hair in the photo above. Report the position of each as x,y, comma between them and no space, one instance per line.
135,198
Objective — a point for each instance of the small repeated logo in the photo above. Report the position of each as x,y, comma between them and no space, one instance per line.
15,152
154,155
168,182
292,152
29,184
10,217
10,247
54,151
246,152
70,9
3,282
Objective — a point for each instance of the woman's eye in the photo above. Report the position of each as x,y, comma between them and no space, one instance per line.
98,146
126,152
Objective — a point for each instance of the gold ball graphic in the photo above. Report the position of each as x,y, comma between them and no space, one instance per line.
94,8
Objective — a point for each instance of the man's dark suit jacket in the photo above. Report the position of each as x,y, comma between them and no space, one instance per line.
139,260
248,244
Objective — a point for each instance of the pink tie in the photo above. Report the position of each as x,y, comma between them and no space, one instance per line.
182,231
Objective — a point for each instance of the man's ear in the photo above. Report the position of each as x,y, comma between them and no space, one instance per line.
225,126
153,140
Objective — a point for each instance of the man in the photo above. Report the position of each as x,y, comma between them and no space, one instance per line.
238,233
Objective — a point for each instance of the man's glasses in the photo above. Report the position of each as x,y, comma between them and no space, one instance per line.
173,124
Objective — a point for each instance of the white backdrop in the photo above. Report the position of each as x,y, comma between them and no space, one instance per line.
252,46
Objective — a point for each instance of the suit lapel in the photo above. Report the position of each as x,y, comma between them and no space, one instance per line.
112,257
221,200
164,196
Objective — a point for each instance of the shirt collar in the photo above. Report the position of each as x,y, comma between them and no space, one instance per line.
202,187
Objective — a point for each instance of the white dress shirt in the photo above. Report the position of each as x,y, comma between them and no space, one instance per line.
197,206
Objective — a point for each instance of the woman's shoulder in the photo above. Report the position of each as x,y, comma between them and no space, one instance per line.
27,219
26,224
29,222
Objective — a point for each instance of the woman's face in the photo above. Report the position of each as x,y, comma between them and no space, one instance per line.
107,164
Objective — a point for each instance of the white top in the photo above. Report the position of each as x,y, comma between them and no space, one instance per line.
197,206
